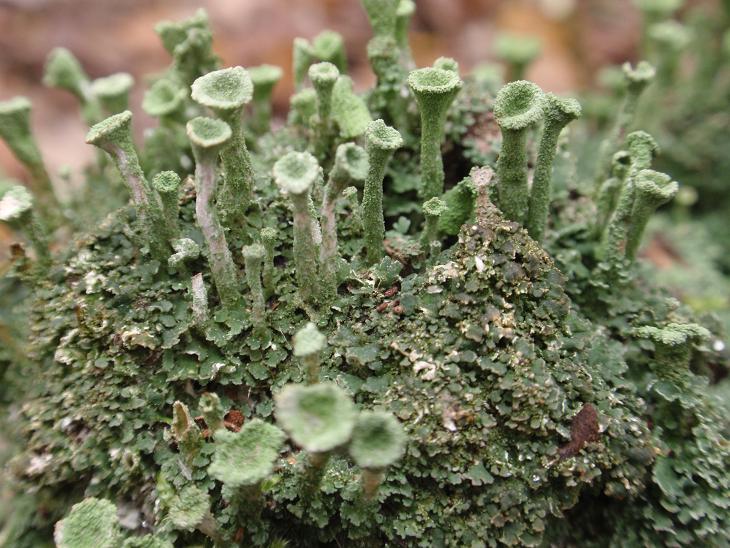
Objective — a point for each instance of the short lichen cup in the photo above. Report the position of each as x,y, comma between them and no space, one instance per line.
323,77
651,190
350,168
434,90
63,71
382,15
226,92
208,138
319,418
295,175
382,141
518,52
308,345
167,186
264,78
113,91
378,441
164,100
517,107
246,458
253,257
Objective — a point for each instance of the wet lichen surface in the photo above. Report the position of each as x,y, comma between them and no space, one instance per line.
549,394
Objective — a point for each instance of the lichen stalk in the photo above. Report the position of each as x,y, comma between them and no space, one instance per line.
636,80
517,107
652,190
295,175
433,209
264,78
610,190
268,239
16,132
382,141
253,256
323,77
199,296
114,137
63,71
226,92
167,185
208,137
350,167
403,16
558,113
434,90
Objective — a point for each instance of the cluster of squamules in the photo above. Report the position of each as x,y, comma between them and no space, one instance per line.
409,317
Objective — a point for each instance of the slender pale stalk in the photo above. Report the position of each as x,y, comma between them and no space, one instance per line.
558,113
295,175
350,167
15,131
434,90
208,137
382,141
518,106
114,136
253,256
200,300
226,92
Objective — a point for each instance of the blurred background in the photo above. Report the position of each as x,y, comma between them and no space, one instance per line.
108,36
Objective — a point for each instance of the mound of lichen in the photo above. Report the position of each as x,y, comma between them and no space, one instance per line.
546,390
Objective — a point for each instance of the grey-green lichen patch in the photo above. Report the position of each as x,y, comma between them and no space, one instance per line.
208,133
15,204
224,89
246,457
91,523
378,440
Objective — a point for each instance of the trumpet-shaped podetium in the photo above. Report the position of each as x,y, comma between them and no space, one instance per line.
253,257
92,523
518,52
63,71
226,92
167,186
559,112
433,209
636,79
16,209
350,168
114,136
263,78
247,457
209,137
403,15
610,190
113,91
15,131
303,106
382,16
387,96
378,441
434,90
323,77
518,106
295,175
382,141
651,190
302,57
308,345
318,418
164,100
329,46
